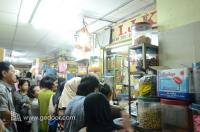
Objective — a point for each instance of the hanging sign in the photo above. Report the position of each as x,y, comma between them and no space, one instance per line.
122,31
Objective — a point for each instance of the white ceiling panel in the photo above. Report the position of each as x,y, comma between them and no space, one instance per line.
5,44
8,19
29,34
6,32
10,6
22,43
98,8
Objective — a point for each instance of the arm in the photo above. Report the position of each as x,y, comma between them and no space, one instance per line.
51,108
5,114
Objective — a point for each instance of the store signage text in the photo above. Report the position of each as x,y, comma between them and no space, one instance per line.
123,31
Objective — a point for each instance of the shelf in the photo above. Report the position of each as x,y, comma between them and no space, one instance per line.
114,56
138,46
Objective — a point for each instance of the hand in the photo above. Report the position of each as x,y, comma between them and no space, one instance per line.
126,122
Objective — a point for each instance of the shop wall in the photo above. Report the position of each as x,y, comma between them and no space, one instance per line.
180,45
179,26
1,54
175,13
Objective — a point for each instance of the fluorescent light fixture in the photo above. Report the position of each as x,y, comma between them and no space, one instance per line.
18,60
17,54
26,10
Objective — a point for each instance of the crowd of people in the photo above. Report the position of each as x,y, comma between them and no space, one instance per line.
56,105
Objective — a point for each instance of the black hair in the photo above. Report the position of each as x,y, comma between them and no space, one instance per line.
56,96
29,75
47,82
98,116
22,81
105,89
31,91
87,85
4,66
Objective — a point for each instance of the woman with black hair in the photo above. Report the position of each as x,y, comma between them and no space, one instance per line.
33,93
75,107
106,90
98,115
48,84
22,105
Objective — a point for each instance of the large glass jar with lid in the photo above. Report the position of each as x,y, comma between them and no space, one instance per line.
141,33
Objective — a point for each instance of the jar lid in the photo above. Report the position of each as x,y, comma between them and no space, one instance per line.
149,99
195,106
142,26
174,102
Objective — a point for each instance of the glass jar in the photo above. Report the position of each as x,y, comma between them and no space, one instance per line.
149,113
196,116
141,33
175,116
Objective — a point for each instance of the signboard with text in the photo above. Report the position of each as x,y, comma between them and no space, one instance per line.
122,31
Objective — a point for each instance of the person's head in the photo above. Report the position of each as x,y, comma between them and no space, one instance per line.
23,85
87,85
33,91
29,75
98,113
7,72
106,90
49,82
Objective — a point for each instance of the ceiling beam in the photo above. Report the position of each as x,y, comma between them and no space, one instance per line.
110,12
100,19
34,11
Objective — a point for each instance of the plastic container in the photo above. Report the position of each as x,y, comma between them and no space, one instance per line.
141,33
196,116
149,113
176,116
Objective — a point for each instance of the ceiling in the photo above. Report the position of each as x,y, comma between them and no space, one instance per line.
59,21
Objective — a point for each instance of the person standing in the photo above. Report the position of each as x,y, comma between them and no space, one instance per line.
48,84
33,93
75,107
22,105
7,80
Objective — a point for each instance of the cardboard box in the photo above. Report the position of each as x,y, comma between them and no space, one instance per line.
175,83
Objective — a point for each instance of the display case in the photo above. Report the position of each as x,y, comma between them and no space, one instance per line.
114,68
145,56
83,67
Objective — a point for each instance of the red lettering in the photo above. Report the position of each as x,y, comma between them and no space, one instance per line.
120,30
150,20
145,18
133,21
